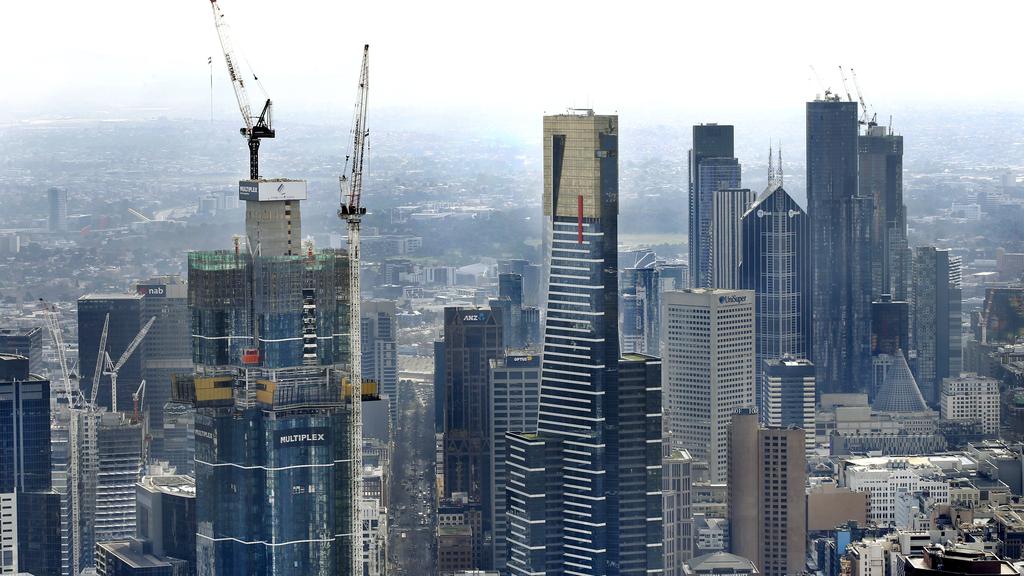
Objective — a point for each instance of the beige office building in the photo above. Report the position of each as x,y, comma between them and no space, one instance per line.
708,369
767,505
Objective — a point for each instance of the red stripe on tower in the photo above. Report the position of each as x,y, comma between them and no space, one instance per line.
579,218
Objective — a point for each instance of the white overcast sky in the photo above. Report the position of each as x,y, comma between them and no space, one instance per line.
506,59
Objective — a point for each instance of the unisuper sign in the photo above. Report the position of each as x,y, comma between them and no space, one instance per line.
732,299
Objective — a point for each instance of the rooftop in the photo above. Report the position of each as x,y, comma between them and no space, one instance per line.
175,485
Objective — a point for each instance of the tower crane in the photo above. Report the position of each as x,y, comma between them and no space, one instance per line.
873,120
842,74
256,127
101,361
112,369
351,211
138,397
74,434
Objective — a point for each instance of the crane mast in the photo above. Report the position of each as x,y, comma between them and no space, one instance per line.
256,127
352,212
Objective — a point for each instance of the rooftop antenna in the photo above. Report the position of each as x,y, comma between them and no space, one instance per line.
779,166
771,165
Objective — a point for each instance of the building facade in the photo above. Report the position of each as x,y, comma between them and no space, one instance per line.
840,234
788,396
379,334
708,369
274,438
126,321
936,334
972,398
767,506
776,265
579,492
880,156
728,205
710,141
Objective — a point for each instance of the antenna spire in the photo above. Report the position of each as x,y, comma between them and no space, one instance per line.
771,165
779,165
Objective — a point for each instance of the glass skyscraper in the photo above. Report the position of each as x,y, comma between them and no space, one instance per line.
776,265
272,428
711,167
841,236
573,500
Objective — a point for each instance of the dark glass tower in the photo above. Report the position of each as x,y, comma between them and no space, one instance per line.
840,235
641,320
272,428
776,265
472,338
936,335
711,167
125,322
881,179
572,497
30,540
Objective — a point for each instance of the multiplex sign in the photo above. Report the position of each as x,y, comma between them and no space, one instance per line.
267,190
301,436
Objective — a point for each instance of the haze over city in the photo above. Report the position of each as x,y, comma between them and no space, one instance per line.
534,289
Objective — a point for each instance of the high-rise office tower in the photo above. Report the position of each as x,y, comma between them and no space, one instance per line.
472,338
767,473
380,350
890,325
788,398
711,168
165,542
677,513
709,369
641,314
840,234
579,498
57,200
165,352
881,179
727,208
515,395
776,265
530,274
274,438
510,290
29,509
26,342
125,312
936,333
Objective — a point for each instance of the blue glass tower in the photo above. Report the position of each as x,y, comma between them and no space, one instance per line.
273,409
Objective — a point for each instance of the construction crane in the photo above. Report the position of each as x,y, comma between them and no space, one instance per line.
101,360
842,74
137,398
112,369
256,127
352,211
873,120
74,434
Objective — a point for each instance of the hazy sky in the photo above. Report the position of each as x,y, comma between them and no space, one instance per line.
509,60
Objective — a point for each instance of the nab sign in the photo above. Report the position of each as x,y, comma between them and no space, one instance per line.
152,290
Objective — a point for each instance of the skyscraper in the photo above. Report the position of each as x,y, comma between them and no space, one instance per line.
573,504
380,350
641,314
472,338
677,484
24,342
125,312
936,334
165,352
880,178
776,265
709,369
727,208
710,141
840,234
510,289
788,397
514,401
273,423
29,509
57,201
767,474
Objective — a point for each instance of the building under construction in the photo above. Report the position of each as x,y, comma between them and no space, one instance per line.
270,342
